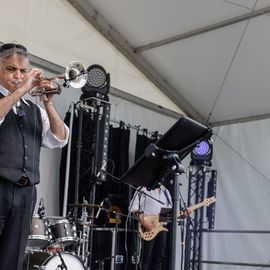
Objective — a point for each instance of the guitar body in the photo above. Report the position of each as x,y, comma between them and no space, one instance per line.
149,235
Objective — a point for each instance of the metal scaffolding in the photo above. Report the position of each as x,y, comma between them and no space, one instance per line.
198,177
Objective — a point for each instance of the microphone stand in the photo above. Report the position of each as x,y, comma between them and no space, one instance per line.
171,164
137,247
140,193
134,188
176,168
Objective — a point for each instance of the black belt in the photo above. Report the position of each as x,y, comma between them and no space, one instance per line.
24,181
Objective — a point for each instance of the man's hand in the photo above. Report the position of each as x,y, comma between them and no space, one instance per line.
147,224
185,213
30,80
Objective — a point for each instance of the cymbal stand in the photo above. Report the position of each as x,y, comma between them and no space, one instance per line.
115,241
83,237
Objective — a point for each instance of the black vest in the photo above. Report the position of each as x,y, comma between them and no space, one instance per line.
20,142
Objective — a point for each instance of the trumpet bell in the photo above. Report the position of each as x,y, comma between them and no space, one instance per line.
76,74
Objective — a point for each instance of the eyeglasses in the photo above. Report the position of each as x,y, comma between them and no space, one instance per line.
9,46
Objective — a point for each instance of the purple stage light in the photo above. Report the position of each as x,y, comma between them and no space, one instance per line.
202,149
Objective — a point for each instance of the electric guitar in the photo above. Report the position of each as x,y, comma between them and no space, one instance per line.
158,227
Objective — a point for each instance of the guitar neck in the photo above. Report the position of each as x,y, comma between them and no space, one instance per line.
207,201
198,205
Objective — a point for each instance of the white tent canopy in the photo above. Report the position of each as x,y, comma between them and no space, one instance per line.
54,31
208,56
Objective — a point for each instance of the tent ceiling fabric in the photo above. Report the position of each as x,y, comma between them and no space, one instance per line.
55,32
219,76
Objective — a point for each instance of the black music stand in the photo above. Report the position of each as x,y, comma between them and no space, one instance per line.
181,138
165,157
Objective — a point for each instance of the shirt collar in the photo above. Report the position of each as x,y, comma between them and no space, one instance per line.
5,93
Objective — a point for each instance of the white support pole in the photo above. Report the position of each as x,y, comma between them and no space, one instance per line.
68,162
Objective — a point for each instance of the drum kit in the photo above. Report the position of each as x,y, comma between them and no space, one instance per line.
59,242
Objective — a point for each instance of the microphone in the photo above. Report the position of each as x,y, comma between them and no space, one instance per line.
100,206
41,208
19,109
102,168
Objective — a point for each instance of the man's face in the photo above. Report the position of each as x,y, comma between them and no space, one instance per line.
12,71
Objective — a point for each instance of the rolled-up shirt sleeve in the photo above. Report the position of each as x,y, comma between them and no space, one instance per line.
134,204
49,140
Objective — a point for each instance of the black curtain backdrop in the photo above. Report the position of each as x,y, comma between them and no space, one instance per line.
143,140
86,159
118,164
118,194
118,156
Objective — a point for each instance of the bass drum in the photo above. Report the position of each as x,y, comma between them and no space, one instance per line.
44,260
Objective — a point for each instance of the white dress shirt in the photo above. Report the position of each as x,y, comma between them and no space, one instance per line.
147,205
49,140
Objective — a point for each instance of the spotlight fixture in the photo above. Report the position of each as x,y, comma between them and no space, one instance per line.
98,83
202,154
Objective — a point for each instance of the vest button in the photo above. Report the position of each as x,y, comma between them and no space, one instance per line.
25,158
26,146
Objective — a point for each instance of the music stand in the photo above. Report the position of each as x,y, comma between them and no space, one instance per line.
165,157
182,137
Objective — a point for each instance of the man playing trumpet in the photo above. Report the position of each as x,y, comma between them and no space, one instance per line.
24,128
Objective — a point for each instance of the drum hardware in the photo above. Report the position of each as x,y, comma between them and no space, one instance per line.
62,265
41,208
87,224
101,262
83,242
84,205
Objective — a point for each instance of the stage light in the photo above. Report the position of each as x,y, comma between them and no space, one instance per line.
202,149
98,83
202,154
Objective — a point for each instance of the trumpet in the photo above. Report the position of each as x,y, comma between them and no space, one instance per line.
75,76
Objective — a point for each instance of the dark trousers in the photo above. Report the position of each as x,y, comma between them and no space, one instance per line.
153,252
16,209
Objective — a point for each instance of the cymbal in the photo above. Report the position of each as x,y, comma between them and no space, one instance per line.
82,205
